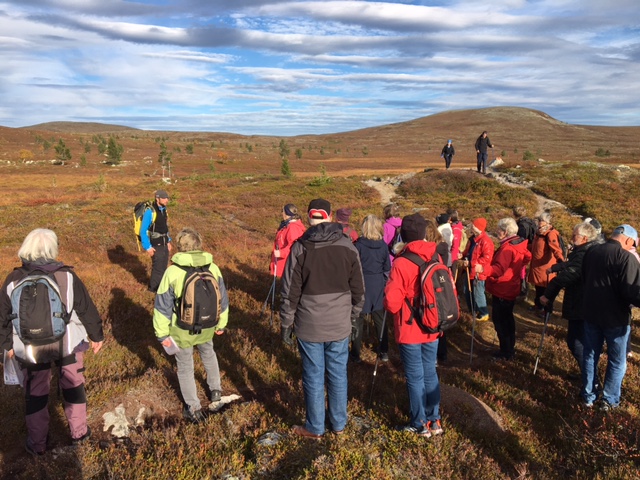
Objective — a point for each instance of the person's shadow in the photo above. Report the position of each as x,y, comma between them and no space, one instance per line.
130,262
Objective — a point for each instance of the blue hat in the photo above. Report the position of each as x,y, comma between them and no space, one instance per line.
449,141
628,231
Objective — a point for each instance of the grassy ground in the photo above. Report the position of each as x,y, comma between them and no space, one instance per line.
547,434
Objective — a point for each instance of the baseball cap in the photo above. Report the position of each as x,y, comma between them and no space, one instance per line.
628,231
319,208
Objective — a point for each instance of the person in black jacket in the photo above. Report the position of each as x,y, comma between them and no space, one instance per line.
482,143
447,153
570,278
611,285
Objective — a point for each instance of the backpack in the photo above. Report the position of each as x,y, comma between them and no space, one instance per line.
436,309
39,316
397,238
200,303
138,213
562,243
527,229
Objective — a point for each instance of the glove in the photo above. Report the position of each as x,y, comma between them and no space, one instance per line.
354,328
286,333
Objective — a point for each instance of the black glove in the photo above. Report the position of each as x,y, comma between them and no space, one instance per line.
286,333
354,327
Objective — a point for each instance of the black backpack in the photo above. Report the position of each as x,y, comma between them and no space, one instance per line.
200,303
397,238
436,309
527,229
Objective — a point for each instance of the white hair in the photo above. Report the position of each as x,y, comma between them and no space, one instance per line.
39,243
586,230
318,221
508,225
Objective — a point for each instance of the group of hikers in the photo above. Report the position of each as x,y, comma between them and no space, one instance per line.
333,279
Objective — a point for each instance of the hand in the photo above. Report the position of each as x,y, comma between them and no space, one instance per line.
169,247
166,342
465,263
286,333
151,251
11,353
220,332
276,253
479,268
549,271
96,346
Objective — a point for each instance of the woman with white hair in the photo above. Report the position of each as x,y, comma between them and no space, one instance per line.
503,283
38,253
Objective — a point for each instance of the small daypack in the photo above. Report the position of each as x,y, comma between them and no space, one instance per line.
527,229
39,316
200,303
397,238
138,213
561,243
436,309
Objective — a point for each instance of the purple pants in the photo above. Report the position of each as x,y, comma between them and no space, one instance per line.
37,396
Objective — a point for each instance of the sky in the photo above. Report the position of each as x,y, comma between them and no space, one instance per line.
285,68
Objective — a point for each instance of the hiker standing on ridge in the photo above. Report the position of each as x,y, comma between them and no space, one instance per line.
482,143
322,295
291,228
171,328
38,254
447,153
155,239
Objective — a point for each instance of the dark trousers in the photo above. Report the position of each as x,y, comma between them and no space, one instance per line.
482,162
539,293
447,160
575,342
377,317
505,325
159,263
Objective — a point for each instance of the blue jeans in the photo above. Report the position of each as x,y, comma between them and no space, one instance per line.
479,297
423,386
594,338
318,359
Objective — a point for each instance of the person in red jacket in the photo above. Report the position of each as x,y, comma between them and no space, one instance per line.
477,256
417,349
291,228
503,282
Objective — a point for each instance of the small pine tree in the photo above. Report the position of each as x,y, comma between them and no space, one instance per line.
284,149
114,151
298,153
285,169
63,154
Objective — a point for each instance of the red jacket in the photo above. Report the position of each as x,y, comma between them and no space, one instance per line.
504,275
481,255
284,239
404,284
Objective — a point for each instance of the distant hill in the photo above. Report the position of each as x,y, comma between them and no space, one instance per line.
79,127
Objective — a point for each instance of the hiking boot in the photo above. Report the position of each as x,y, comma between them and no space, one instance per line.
197,416
607,407
435,427
303,432
384,357
483,318
83,438
215,396
423,431
31,451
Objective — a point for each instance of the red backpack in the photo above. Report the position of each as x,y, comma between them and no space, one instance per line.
436,309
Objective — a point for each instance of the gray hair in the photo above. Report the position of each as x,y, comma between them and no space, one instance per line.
508,225
545,217
188,240
39,243
586,230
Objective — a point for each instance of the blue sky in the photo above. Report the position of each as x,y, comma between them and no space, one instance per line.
298,67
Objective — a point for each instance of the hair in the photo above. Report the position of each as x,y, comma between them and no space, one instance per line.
508,225
188,240
291,208
587,230
372,227
453,214
391,210
39,243
317,221
545,217
519,211
432,234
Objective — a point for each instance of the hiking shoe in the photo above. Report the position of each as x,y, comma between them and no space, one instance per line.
607,407
31,451
384,357
435,427
303,432
423,431
215,396
197,416
83,438
483,318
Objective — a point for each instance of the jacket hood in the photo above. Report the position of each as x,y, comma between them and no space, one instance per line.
394,221
518,242
426,250
324,232
42,264
192,259
367,242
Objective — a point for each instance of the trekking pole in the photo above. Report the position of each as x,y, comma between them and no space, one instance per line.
264,305
544,330
375,368
473,314
273,295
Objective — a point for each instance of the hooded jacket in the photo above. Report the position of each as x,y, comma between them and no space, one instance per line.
570,278
164,317
374,258
404,283
545,253
322,285
481,254
285,237
391,229
85,320
504,275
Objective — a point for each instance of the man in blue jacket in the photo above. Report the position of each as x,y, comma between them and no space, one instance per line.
155,239
611,280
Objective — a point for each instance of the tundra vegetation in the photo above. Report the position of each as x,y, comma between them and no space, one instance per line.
236,206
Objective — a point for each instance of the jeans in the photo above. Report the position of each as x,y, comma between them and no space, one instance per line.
594,338
423,386
479,297
505,325
186,375
575,334
320,359
482,162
